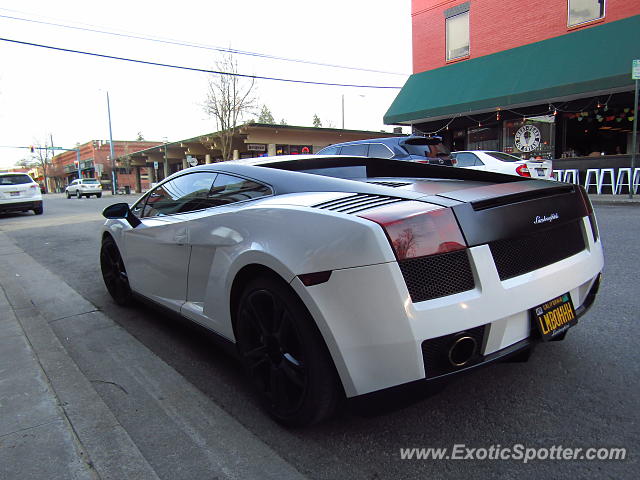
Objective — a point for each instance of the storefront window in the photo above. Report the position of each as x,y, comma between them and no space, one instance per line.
484,138
530,138
293,149
582,11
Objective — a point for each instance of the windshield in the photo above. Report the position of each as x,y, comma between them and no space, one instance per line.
503,157
91,180
15,179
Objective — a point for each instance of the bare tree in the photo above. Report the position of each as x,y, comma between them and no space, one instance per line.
229,99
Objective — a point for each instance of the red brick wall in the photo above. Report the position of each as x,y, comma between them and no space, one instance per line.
497,25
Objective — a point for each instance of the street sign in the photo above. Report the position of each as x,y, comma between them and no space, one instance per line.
155,165
635,70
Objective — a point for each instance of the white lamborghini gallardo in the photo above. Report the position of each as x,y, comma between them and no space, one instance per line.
350,276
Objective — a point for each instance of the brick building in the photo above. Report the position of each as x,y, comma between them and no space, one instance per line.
485,72
95,163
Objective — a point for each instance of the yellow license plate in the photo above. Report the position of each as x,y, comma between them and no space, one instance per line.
555,316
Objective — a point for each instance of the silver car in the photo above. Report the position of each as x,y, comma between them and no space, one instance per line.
84,187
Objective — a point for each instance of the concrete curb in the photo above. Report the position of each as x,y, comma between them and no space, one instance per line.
126,409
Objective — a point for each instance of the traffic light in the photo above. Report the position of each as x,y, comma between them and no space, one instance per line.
32,149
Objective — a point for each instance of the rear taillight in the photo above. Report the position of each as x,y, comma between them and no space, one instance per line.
418,229
523,171
33,186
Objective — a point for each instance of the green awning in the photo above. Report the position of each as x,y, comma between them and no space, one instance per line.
595,60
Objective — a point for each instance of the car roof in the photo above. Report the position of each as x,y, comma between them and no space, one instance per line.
405,139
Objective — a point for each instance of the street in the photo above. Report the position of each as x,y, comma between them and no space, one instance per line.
581,392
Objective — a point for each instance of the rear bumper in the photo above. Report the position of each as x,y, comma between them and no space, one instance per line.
407,392
19,205
376,334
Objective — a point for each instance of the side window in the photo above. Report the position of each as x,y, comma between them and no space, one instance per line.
229,189
355,149
182,194
380,151
467,160
330,150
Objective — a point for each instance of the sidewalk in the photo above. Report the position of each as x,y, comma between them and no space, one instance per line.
80,398
622,199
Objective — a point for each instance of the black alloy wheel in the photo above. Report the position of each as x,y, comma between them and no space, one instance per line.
114,273
284,354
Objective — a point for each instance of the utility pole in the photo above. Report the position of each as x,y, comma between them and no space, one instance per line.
114,175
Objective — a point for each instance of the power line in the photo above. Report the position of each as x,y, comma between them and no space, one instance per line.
181,43
195,69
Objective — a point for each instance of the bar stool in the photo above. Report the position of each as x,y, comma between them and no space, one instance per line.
620,177
573,174
612,183
636,179
592,172
557,175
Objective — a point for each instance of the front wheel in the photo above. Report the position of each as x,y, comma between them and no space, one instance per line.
114,273
68,194
78,194
284,354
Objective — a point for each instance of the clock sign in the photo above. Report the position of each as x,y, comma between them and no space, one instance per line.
527,138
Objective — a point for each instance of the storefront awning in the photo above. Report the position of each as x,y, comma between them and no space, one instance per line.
592,61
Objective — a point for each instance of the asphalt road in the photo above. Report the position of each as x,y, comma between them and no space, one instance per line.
582,392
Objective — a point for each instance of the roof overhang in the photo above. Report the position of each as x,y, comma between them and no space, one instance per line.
589,62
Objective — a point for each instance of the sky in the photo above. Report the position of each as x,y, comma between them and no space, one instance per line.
47,93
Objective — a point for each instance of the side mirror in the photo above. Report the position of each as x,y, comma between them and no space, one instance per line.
121,210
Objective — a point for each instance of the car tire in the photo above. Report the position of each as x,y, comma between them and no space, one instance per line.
284,354
78,194
114,273
98,195
39,210
68,194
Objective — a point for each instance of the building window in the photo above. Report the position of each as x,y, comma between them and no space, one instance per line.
457,31
583,11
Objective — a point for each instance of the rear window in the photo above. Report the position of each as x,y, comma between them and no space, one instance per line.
92,180
15,179
426,150
503,157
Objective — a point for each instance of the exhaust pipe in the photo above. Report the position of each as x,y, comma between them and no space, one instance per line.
462,351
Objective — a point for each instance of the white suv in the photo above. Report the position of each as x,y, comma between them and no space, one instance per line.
19,193
84,186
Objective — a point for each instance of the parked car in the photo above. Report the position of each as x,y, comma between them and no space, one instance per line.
19,193
500,162
353,276
84,187
412,148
